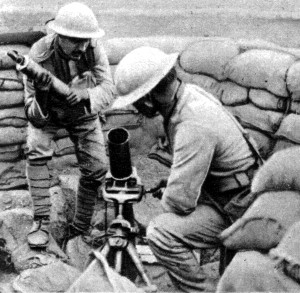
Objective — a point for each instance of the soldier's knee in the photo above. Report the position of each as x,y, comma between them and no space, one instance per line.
158,236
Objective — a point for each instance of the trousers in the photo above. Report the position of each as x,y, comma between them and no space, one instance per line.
173,238
88,139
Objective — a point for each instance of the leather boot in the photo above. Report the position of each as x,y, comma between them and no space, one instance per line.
38,236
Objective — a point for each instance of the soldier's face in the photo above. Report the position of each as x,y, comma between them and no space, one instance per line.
146,106
73,47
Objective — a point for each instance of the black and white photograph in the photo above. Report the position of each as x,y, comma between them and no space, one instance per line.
149,146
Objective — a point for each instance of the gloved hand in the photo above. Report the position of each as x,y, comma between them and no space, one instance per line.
43,81
76,96
159,189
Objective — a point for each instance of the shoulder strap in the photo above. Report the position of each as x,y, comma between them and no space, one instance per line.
250,141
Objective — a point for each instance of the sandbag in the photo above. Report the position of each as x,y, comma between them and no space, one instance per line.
250,44
209,57
280,172
264,142
229,93
117,48
10,84
12,175
25,38
54,277
14,122
293,80
290,128
10,153
206,82
267,101
5,61
12,113
282,144
100,277
9,99
265,222
286,254
252,117
11,74
113,70
263,69
64,147
12,135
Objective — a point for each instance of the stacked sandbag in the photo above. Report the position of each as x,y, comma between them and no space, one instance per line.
117,48
276,186
257,81
13,123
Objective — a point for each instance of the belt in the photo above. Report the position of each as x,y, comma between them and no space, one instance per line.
237,180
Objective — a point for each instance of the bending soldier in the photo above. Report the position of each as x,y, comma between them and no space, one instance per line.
74,55
213,162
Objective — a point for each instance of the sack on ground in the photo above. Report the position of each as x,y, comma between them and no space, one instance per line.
265,222
286,254
280,172
100,277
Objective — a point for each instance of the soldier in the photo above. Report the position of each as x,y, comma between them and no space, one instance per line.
73,54
213,162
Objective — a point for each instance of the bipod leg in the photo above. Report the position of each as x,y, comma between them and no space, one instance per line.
135,258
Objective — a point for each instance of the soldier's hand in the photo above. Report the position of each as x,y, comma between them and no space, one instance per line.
43,81
159,189
76,96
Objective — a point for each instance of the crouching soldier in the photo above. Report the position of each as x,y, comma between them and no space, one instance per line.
75,56
213,162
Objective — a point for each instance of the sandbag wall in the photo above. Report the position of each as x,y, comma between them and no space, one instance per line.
257,81
12,117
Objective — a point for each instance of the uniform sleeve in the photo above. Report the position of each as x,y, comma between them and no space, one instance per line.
193,153
104,93
32,109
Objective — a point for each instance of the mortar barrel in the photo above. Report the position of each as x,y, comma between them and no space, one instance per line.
119,153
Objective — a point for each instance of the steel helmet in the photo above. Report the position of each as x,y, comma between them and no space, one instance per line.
139,72
76,20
